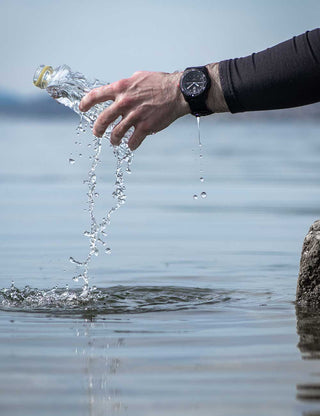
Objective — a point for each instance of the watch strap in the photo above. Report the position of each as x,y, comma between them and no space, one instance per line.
198,104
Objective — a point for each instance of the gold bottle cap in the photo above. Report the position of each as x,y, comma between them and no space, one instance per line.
40,78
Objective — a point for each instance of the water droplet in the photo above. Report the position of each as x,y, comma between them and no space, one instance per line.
80,154
89,145
101,241
96,251
195,196
200,156
72,260
108,250
75,278
201,179
87,233
96,194
71,161
128,170
203,195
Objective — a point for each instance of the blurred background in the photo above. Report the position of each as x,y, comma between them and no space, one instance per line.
112,39
257,167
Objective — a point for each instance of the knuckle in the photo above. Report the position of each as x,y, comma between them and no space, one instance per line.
124,103
121,85
118,129
102,120
138,73
103,90
116,135
108,89
132,120
92,94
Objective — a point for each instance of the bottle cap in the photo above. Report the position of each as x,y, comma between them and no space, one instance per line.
40,78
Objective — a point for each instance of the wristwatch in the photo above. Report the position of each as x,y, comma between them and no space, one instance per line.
195,83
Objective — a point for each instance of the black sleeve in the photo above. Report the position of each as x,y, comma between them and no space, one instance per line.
286,75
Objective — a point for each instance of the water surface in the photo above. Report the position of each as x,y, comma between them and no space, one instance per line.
194,310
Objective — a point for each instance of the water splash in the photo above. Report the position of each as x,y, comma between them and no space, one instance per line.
113,300
68,88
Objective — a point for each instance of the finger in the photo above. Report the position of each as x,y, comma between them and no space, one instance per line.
120,129
97,95
105,118
136,139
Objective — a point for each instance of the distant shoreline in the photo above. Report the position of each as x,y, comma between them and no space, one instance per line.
47,108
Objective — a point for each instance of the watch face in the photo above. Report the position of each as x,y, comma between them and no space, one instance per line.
193,83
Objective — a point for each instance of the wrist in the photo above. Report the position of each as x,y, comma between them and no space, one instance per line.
216,101
182,106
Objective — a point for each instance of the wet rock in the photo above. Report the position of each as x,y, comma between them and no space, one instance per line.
308,287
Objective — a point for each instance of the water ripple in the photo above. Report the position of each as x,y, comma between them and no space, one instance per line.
112,300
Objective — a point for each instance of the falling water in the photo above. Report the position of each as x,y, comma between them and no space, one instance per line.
68,88
200,149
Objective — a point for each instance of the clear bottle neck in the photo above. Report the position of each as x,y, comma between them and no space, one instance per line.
42,76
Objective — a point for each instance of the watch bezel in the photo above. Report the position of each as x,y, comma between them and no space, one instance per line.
183,87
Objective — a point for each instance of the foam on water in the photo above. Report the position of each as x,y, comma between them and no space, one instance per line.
113,300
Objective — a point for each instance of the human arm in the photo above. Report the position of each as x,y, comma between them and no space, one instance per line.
286,75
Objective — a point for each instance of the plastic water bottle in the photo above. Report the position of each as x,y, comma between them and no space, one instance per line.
68,88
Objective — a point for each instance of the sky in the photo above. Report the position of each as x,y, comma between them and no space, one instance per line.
110,40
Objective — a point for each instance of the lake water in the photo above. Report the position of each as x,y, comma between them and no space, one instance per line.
198,314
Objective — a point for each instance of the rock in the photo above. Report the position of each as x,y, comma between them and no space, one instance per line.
308,287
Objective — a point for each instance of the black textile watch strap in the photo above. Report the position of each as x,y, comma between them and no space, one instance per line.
198,107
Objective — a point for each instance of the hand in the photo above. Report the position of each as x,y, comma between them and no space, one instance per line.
149,101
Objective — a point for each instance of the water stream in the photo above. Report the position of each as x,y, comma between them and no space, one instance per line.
203,194
68,88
